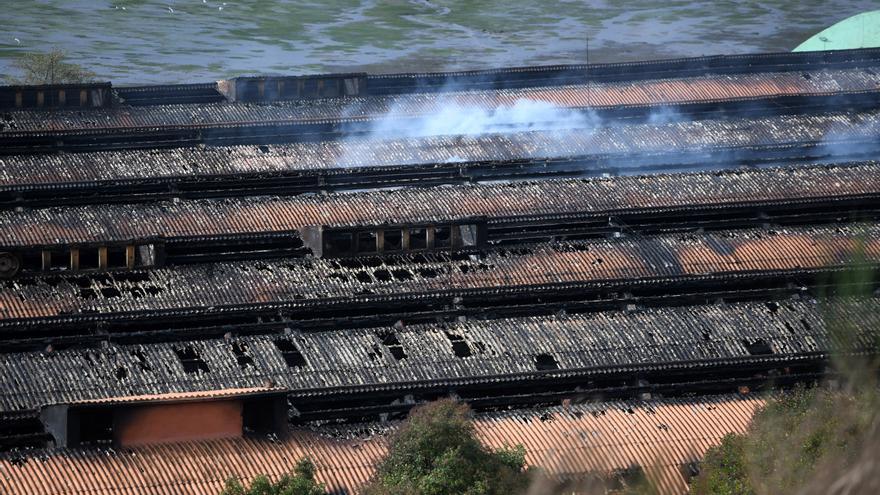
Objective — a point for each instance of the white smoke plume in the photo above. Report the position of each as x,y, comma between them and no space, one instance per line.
455,119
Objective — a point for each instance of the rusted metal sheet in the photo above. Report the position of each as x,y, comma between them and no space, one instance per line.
230,283
835,129
706,88
123,223
574,441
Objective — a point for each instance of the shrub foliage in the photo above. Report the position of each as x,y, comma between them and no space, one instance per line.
300,482
436,452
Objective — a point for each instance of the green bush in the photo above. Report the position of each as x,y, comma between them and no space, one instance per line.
799,440
300,482
436,452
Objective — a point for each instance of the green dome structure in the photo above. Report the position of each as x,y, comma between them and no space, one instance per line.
858,31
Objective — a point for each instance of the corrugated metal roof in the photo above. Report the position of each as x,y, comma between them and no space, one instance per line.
677,90
183,396
123,222
502,350
294,280
659,435
657,137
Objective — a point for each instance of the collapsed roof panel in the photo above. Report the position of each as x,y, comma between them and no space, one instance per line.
289,281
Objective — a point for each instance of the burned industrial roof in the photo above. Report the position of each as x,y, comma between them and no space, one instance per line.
223,284
414,357
673,90
496,202
660,435
343,306
598,141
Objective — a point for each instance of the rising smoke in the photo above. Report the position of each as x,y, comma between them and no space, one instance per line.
468,120
461,115
458,120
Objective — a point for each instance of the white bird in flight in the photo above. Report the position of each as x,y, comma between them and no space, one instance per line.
17,41
170,10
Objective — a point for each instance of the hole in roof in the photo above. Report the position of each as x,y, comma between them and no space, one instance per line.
545,362
141,359
428,272
132,276
789,327
806,76
459,346
364,277
393,344
758,347
190,360
88,293
402,274
419,258
291,354
375,354
241,356
121,373
382,275
153,290
110,292
263,148
806,325
772,306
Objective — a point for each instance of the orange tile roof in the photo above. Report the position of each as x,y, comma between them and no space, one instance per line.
659,435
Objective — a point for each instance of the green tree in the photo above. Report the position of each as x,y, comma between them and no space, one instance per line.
49,68
300,482
436,452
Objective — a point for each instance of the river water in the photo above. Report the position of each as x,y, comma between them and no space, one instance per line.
131,41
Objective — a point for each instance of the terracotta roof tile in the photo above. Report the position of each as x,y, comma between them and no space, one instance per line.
568,442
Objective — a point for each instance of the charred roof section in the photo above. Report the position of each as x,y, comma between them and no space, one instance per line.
366,163
499,204
220,287
592,350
